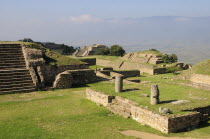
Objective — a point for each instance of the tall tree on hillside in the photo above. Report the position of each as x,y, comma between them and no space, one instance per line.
68,50
116,50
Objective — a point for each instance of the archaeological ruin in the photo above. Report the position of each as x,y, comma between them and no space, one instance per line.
26,68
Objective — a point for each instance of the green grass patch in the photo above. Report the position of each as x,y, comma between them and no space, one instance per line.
169,91
200,68
66,113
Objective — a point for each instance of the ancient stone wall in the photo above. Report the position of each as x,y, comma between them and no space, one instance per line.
36,65
159,71
131,73
119,65
51,71
128,108
199,78
89,61
83,76
63,80
179,123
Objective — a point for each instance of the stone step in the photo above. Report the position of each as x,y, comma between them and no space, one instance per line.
14,78
16,82
12,66
12,62
16,85
10,52
18,91
12,59
13,70
21,63
14,56
10,46
6,77
14,73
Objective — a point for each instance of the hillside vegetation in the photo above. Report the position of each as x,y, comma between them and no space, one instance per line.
154,52
200,68
51,57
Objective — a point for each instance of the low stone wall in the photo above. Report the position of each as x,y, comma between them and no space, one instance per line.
159,71
128,108
83,76
131,73
199,78
51,71
63,80
89,61
183,122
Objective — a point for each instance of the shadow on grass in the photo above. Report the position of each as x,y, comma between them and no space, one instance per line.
80,86
131,89
167,101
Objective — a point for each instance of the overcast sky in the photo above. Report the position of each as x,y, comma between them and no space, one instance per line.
81,22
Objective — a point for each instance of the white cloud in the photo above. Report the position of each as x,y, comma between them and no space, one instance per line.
85,18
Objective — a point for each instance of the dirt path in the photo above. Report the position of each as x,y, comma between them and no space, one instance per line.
144,135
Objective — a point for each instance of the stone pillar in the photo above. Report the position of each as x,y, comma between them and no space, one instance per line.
154,98
118,83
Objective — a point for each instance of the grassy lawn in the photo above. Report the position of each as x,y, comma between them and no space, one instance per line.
169,91
66,114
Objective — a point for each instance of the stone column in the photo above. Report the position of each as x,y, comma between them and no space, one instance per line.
154,98
118,83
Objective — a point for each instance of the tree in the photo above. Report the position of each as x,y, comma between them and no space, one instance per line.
154,50
26,40
169,58
68,50
116,50
102,51
174,58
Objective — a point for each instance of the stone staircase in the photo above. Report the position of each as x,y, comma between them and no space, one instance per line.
14,76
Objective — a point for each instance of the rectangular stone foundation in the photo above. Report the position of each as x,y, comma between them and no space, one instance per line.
128,108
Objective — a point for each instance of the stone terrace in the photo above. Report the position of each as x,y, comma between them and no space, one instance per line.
14,76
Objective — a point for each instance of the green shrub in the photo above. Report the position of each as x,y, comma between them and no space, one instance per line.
116,50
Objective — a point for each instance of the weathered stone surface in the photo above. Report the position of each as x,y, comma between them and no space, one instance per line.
180,101
51,71
144,95
63,80
164,110
83,76
154,97
201,79
118,84
107,68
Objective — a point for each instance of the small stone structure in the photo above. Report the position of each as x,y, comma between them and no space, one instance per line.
143,58
88,50
63,80
118,83
164,110
154,97
163,123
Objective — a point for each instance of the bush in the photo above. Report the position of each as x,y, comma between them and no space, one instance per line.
169,58
102,51
67,50
116,50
